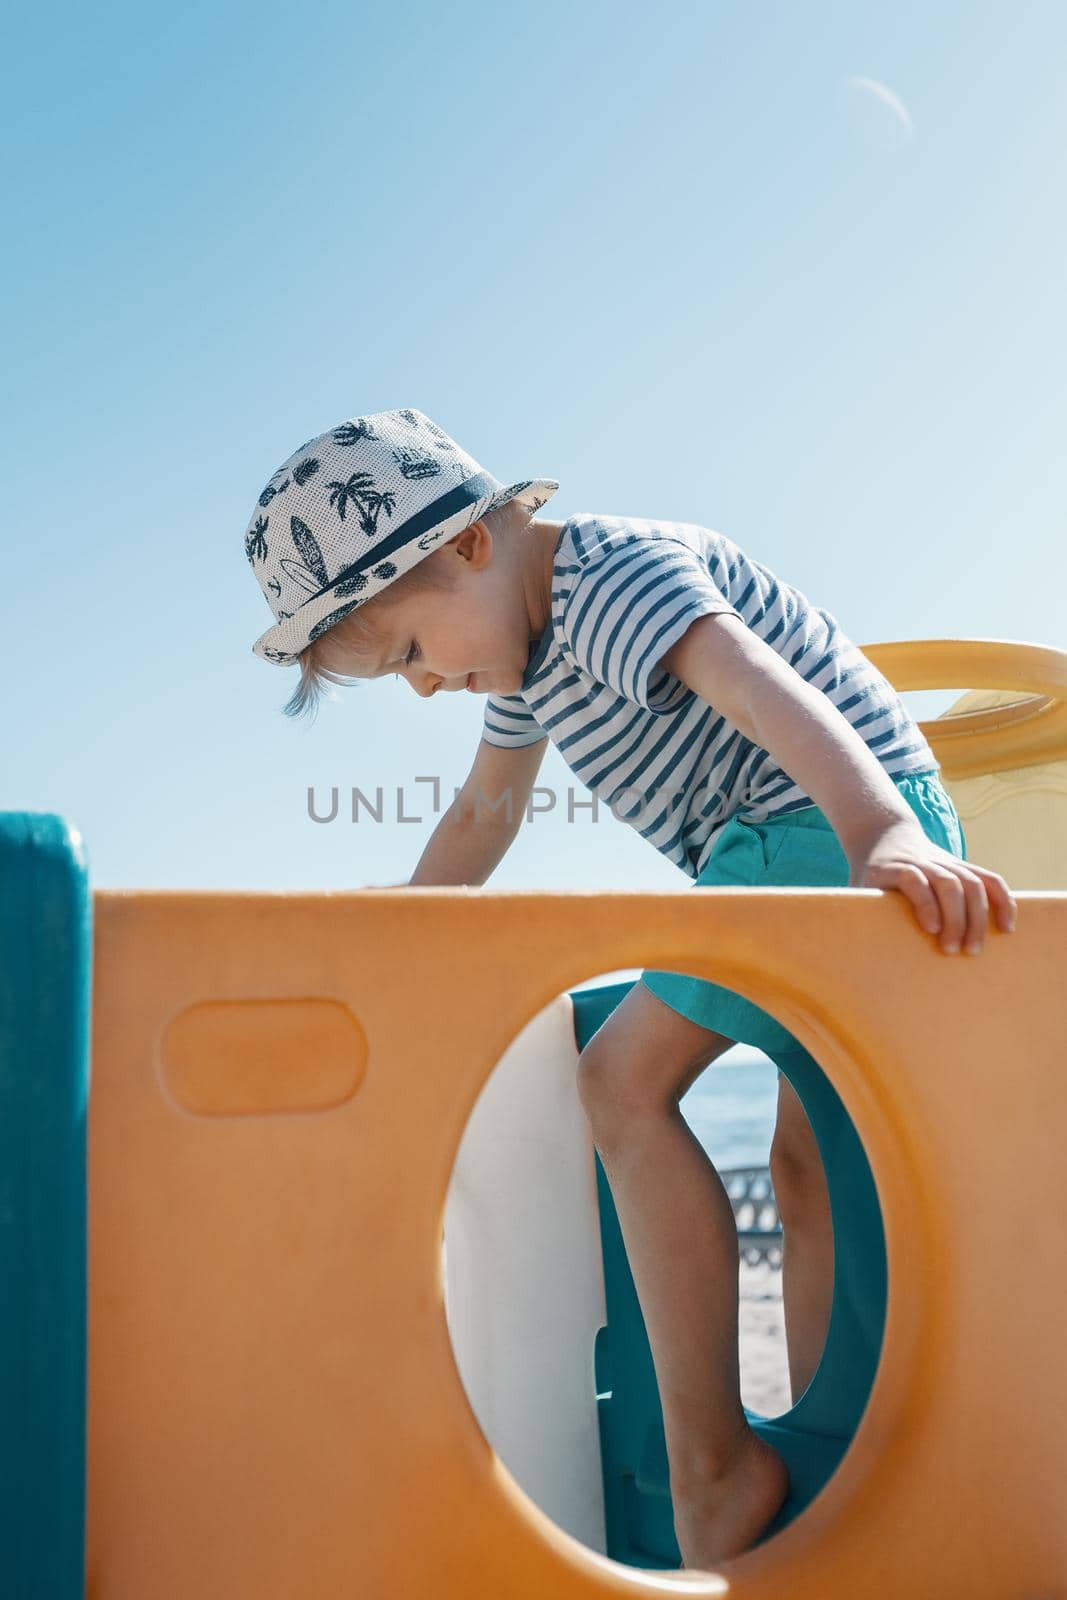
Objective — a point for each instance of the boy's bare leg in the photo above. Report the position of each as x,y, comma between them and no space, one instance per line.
681,1241
803,1201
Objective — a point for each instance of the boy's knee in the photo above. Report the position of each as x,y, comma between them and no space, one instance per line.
612,1088
598,1079
641,1062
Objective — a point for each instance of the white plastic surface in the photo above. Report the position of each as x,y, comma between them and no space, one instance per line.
524,1276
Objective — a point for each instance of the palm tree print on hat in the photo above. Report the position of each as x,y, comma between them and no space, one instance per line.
352,432
416,463
277,655
274,586
360,490
255,543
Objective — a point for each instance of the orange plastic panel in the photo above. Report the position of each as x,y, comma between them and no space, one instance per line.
274,1408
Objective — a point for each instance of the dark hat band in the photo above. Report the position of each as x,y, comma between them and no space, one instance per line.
439,511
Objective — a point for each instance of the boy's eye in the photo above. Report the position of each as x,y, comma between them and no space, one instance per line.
413,651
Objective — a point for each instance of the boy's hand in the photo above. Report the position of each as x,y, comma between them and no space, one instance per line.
951,897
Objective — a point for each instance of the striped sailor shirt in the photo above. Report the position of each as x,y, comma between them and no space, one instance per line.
623,591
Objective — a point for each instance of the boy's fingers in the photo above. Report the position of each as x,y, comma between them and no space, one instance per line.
977,914
1000,898
953,903
967,888
919,890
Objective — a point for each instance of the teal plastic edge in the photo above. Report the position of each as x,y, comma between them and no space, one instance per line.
45,1002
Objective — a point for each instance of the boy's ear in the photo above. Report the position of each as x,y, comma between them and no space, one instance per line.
474,544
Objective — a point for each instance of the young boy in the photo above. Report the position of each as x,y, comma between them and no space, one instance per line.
736,727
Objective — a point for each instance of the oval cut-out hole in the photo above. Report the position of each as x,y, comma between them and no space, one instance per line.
258,1057
545,1311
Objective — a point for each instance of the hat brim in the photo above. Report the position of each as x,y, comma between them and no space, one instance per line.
283,642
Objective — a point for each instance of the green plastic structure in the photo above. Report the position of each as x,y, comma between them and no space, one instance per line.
45,988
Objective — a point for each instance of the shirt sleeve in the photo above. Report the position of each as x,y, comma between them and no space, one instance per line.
629,606
509,722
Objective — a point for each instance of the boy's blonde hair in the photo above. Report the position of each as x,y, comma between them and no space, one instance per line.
364,630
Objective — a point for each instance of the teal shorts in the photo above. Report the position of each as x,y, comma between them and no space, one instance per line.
798,850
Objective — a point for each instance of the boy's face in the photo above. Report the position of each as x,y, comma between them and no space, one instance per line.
474,635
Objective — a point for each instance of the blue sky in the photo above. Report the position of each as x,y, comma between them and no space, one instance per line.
676,257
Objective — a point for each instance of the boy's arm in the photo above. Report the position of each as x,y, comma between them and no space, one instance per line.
479,826
725,663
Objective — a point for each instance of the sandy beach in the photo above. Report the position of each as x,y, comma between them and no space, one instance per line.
761,1340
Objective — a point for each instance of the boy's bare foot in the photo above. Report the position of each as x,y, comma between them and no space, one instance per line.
726,1514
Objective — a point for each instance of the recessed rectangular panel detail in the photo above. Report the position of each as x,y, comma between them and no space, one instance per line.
258,1057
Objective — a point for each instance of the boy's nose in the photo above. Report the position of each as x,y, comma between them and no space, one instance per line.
432,682
428,685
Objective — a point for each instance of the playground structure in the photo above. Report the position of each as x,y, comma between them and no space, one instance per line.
290,1393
